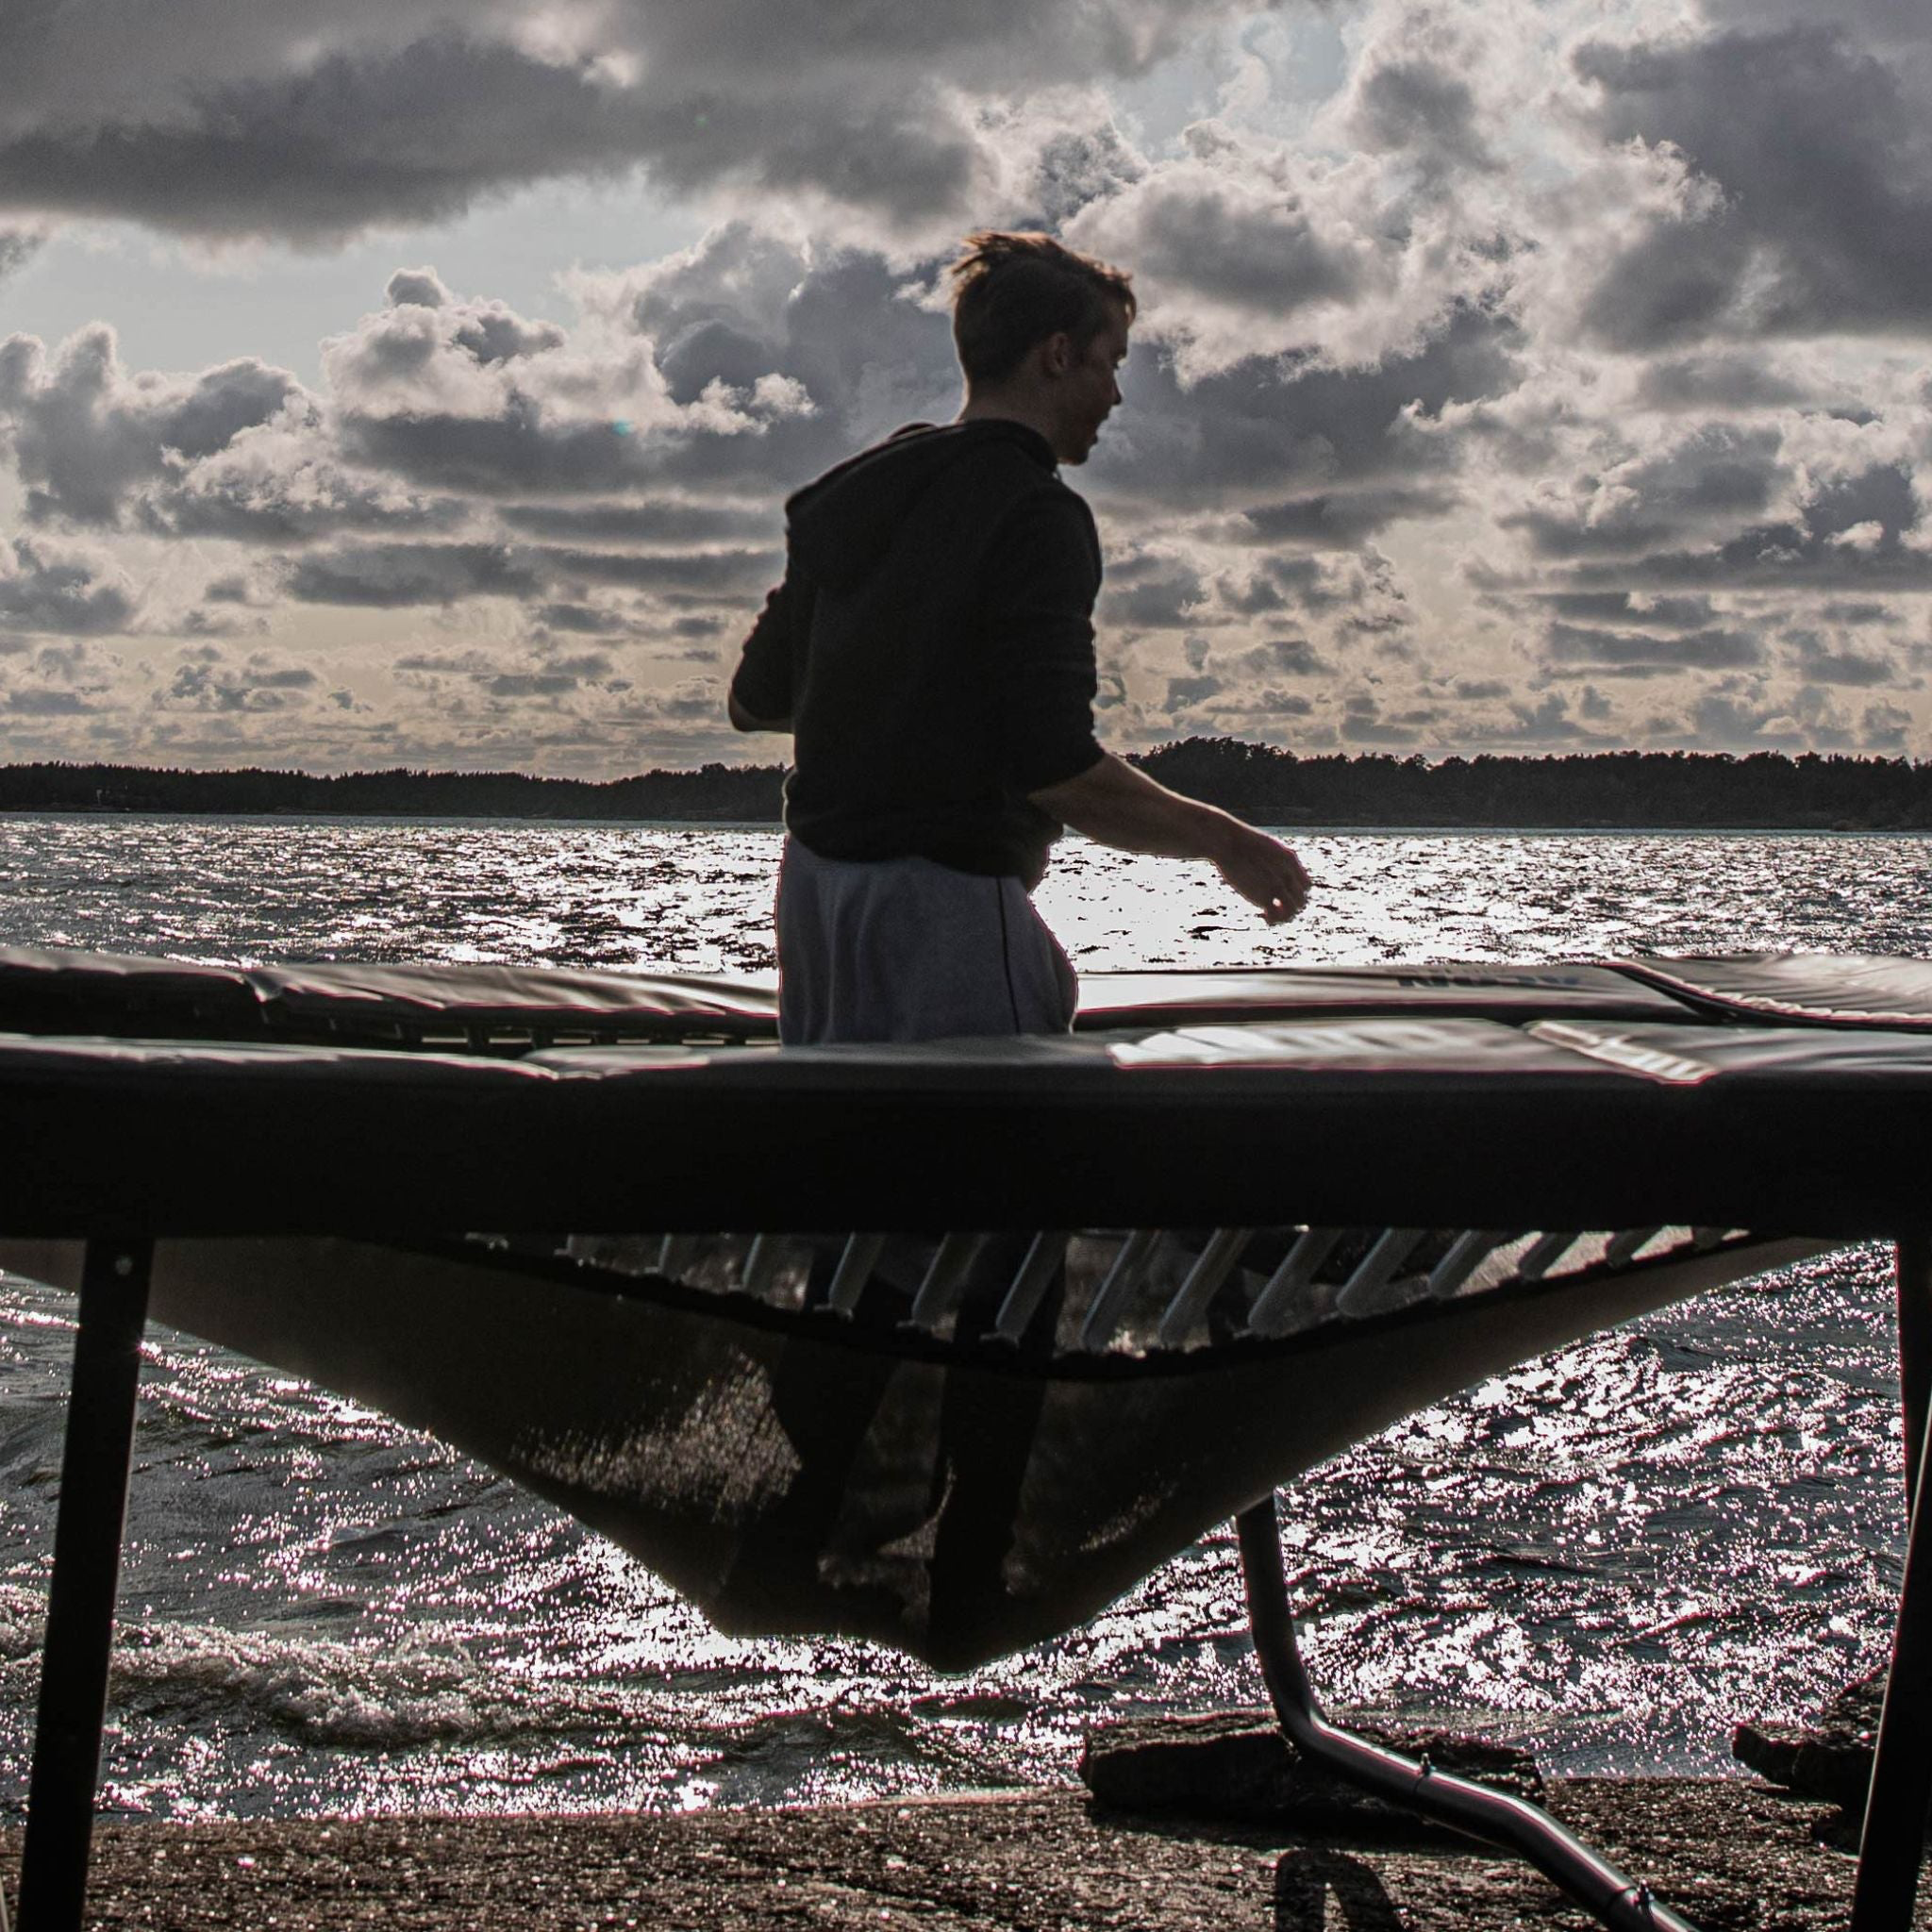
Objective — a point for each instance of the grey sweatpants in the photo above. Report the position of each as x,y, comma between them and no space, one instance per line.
908,949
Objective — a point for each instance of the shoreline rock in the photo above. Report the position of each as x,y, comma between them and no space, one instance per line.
1238,1766
1830,1759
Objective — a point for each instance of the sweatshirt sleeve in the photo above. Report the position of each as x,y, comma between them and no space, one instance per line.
1044,575
762,684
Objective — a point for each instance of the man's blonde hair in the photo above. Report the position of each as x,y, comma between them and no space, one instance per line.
1013,289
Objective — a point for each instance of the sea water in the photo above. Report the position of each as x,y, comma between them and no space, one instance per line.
1613,1553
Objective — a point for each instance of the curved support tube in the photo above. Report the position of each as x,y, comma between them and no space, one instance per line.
1514,1824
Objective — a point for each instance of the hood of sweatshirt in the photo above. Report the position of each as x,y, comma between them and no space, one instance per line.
840,526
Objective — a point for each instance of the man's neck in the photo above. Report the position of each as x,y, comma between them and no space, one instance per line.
1007,408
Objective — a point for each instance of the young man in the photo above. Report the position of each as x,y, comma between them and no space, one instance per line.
931,651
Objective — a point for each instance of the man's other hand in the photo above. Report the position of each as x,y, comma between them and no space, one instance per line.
1263,870
1117,803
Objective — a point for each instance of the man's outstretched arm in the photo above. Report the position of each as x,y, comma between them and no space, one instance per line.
1115,805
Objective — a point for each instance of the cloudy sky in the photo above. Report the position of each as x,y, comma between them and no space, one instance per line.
384,382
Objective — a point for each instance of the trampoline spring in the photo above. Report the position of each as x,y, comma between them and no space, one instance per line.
1117,1290
677,1254
761,1265
1377,1269
1544,1253
1467,1252
1276,1305
946,1277
1044,1254
1213,1266
856,1260
1624,1246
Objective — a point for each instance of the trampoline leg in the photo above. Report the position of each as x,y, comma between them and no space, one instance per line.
81,1599
1493,1816
1914,1279
1900,1801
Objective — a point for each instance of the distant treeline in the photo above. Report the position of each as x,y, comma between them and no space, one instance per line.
1636,789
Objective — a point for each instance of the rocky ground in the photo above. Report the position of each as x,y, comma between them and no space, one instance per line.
1206,1821
1726,1853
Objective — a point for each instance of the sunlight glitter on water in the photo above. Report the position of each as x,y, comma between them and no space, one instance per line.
327,1612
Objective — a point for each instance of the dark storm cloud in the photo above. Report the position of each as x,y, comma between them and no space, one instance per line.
1718,474
1183,693
1881,495
417,134
46,594
84,434
1855,614
44,701
1423,108
1619,607
296,505
419,288
663,520
497,334
581,620
312,122
745,305
391,575
1080,166
388,575
1271,256
1878,22
1152,593
1285,657
1822,151
18,246
1719,381
520,450
553,680
1341,522
1271,701
711,572
205,681
408,336
1364,721
1850,537
1821,664
530,448
1267,422
1639,651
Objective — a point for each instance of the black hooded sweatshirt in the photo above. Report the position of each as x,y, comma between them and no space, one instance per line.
932,643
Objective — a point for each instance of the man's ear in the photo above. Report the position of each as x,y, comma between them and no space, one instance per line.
1057,353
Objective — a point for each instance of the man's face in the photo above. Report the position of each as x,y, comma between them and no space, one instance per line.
1090,388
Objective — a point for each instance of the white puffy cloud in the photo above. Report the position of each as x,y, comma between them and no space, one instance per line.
84,433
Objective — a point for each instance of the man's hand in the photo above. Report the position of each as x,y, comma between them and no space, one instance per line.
1115,803
1263,870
